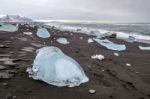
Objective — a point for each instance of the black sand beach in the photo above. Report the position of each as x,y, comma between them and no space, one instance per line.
111,78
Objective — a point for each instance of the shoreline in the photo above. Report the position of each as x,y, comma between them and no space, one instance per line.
111,78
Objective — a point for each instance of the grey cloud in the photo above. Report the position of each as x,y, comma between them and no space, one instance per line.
111,10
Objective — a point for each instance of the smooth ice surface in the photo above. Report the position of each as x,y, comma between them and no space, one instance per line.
144,48
62,40
52,66
110,45
8,28
43,33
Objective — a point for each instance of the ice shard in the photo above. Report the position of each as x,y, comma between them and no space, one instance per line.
110,45
8,28
52,66
43,33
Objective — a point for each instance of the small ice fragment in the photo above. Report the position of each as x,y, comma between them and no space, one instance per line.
90,40
52,66
62,40
81,38
92,91
144,48
27,33
127,64
110,45
99,57
9,28
131,39
43,33
116,54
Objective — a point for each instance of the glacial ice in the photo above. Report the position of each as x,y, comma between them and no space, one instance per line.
90,40
8,28
43,33
28,33
52,66
110,45
99,57
144,48
62,40
131,39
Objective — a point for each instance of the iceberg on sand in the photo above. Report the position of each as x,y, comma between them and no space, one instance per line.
52,66
110,45
43,33
8,28
62,40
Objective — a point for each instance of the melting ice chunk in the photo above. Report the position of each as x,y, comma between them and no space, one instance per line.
144,48
131,39
52,66
43,33
90,40
99,57
62,40
110,45
8,28
28,33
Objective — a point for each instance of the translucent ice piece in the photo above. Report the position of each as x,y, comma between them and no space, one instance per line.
62,40
110,45
52,66
43,33
131,39
8,28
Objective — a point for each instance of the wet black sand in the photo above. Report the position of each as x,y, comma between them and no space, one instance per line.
111,78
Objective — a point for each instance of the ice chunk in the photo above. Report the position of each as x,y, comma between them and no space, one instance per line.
43,33
116,54
28,49
110,45
28,33
62,40
128,64
90,40
8,28
52,66
144,48
131,39
99,57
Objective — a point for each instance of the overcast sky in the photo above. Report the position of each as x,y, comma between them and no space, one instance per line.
104,10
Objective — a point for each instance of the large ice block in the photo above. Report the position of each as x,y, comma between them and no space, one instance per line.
52,66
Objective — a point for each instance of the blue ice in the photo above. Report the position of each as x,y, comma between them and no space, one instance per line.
43,33
8,28
110,45
52,66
